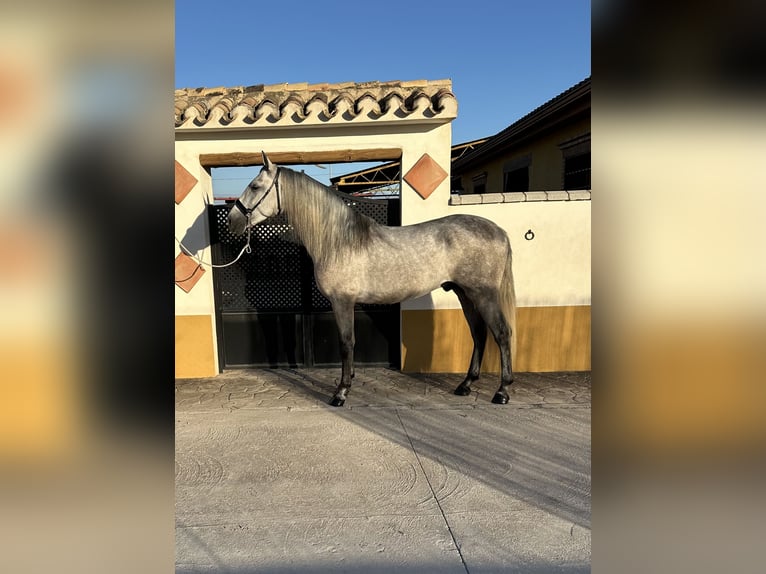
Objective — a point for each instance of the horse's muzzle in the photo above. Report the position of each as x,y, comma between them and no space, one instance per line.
237,222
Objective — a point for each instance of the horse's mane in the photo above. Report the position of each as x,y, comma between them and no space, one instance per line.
322,221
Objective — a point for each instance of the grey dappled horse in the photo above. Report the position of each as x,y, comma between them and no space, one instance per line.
357,260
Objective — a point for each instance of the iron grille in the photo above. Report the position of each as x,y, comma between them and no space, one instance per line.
278,274
268,278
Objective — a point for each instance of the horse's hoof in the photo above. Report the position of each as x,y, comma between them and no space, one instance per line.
463,391
500,399
337,402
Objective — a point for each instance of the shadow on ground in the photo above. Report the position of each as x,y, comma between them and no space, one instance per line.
462,484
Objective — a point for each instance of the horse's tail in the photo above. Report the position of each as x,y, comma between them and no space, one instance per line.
508,301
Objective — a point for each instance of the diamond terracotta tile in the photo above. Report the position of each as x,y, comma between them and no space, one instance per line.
425,176
185,182
187,272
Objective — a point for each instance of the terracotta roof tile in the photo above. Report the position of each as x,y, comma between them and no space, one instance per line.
302,103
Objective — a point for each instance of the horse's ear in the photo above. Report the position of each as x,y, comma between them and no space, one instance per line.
267,165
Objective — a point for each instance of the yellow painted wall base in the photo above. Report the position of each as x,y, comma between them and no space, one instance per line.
549,339
195,352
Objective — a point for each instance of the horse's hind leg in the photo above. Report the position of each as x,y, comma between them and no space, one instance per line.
479,334
344,317
495,319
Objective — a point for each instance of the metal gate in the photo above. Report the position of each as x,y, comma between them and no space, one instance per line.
269,311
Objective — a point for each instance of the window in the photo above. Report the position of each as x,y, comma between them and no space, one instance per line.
479,182
516,174
577,172
576,156
516,180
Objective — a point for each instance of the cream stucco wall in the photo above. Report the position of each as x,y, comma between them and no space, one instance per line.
192,230
405,140
553,288
552,269
414,208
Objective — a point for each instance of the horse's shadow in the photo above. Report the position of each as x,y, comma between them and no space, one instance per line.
197,237
537,457
280,342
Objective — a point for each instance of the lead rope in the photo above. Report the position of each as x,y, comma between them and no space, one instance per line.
245,249
248,212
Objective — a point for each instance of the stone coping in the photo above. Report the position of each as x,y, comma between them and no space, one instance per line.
519,197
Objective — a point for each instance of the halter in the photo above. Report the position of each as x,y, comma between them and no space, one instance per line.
246,211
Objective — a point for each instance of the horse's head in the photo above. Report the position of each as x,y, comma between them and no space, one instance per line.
259,201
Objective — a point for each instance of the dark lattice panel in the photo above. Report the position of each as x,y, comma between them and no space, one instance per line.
272,277
264,299
318,301
373,208
268,278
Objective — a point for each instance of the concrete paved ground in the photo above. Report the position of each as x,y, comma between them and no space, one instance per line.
405,478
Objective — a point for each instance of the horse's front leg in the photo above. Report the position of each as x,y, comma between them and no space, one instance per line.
344,317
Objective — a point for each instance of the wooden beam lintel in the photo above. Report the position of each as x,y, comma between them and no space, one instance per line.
243,159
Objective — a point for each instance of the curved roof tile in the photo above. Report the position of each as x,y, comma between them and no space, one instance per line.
298,104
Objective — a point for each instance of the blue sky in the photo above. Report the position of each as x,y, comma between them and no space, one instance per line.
504,58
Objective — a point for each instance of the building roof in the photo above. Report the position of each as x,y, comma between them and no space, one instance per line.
570,103
389,173
306,104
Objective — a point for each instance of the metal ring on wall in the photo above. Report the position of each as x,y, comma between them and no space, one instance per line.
529,235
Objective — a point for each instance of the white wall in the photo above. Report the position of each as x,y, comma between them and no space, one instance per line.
552,269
